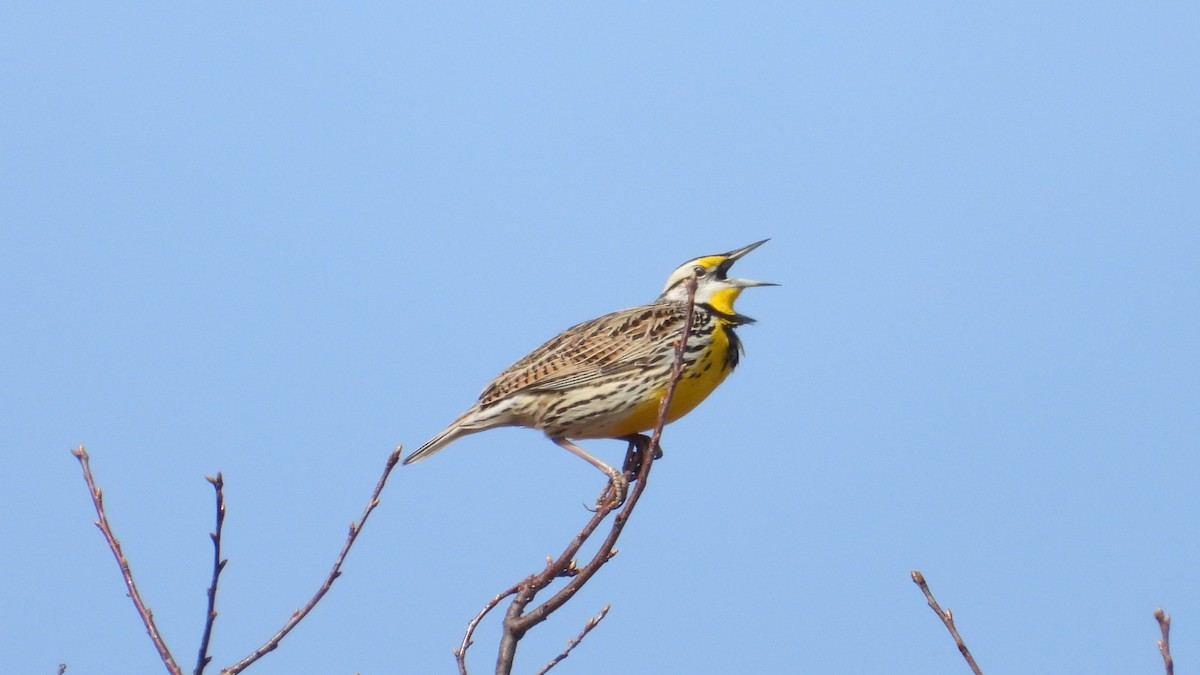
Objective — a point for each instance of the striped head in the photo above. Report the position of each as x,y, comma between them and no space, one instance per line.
714,286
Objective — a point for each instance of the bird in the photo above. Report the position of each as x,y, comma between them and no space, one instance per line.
605,378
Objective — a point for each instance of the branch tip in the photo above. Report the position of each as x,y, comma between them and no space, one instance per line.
574,642
1164,645
395,456
334,573
947,620
114,545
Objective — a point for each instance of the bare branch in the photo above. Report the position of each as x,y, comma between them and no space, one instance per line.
203,658
517,621
573,643
947,618
460,654
1164,645
115,546
298,616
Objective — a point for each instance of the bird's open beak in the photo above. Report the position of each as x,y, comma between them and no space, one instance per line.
734,256
749,283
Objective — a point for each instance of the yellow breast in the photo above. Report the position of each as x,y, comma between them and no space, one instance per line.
698,381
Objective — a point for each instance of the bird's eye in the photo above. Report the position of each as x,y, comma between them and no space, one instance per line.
699,271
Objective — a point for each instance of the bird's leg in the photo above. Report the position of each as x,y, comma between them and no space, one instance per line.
638,444
617,482
633,455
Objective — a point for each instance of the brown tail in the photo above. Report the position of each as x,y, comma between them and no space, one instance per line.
445,437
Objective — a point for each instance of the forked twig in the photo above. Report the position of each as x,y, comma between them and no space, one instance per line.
947,618
115,546
203,659
460,654
574,642
516,620
1164,645
297,616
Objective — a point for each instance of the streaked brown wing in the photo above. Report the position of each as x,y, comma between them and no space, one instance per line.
630,338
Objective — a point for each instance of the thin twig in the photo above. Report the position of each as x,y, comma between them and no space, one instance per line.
203,658
574,642
460,654
947,618
516,620
298,616
115,546
564,565
1164,645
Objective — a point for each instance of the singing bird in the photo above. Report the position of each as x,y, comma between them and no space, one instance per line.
605,378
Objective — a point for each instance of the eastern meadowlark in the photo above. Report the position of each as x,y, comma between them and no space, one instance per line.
605,378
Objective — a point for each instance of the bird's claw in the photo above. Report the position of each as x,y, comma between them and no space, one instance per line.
614,493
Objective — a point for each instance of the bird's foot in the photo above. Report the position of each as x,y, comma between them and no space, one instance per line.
614,493
638,443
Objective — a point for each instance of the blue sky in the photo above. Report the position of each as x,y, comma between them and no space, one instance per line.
277,240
